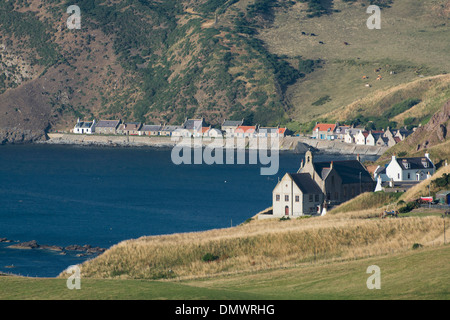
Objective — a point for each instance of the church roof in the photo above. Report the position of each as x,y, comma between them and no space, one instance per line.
305,183
348,170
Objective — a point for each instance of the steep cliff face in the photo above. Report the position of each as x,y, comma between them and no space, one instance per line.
436,131
19,136
25,114
433,137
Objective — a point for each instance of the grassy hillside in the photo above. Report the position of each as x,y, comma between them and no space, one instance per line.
368,200
427,96
415,274
350,51
264,245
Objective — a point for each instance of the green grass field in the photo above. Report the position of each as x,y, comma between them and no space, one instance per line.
416,274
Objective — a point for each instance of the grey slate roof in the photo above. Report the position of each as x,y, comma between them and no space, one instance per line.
348,170
150,127
193,124
415,163
83,125
107,123
267,130
305,183
171,128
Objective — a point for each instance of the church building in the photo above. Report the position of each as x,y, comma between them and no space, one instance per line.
320,184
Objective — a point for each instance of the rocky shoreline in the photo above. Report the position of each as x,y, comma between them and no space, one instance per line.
17,136
32,245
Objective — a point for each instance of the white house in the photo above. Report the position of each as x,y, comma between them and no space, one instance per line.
410,169
372,137
83,127
360,138
296,194
349,138
324,131
213,133
181,132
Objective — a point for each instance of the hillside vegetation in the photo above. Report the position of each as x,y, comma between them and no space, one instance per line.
409,44
407,105
415,274
161,62
264,245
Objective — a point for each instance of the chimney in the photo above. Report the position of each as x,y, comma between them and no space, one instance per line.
427,155
358,158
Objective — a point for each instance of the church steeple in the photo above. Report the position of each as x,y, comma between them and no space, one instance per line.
306,164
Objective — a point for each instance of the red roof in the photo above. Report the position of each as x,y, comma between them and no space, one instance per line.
281,130
246,129
205,129
325,127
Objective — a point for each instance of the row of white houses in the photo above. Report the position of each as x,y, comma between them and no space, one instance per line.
359,135
190,128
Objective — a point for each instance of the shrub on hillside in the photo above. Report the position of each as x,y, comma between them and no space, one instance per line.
442,182
209,257
409,207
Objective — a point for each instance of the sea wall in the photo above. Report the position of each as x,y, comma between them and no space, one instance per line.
339,147
295,144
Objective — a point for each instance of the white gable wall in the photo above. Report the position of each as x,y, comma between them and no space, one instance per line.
286,187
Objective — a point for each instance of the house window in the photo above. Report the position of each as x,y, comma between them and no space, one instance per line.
317,198
409,176
311,198
297,198
277,197
345,192
286,198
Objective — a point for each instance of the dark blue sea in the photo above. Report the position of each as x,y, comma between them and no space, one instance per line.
66,195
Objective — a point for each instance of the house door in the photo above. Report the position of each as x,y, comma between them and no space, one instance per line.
286,210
